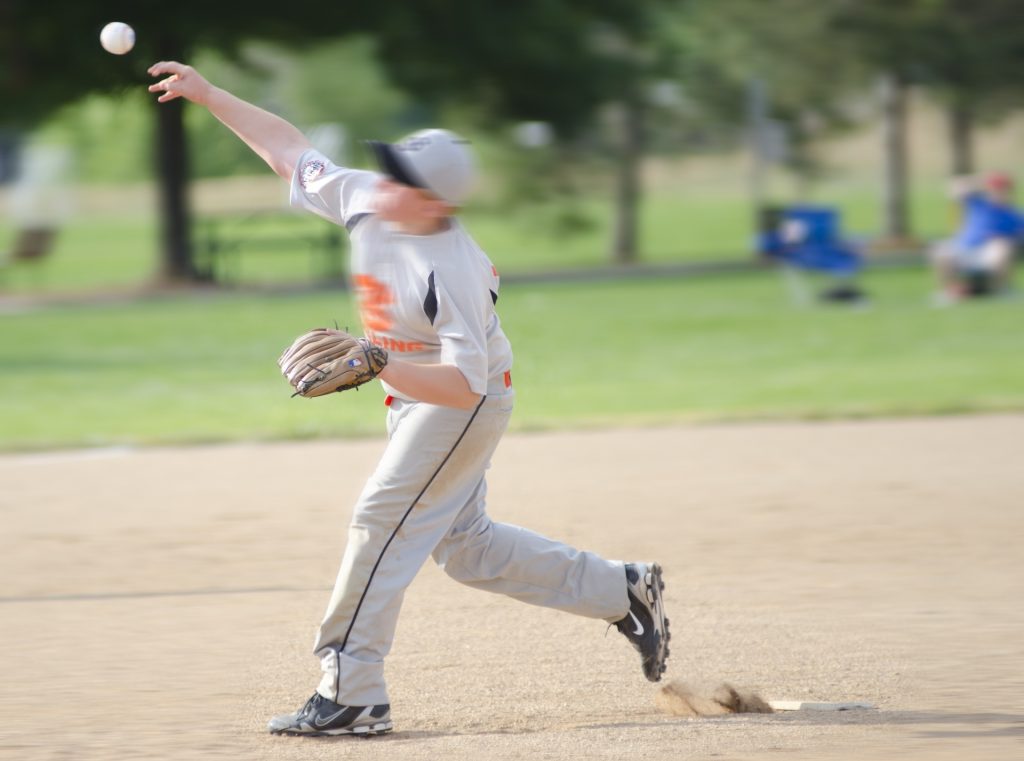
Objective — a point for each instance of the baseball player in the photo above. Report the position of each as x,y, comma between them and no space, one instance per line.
426,296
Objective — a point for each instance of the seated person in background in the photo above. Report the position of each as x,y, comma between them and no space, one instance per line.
983,249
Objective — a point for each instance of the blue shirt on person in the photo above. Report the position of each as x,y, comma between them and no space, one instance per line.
985,219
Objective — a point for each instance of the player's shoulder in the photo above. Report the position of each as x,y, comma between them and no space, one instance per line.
314,167
464,266
462,252
466,242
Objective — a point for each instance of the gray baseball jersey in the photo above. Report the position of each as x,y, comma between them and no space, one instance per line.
431,299
425,298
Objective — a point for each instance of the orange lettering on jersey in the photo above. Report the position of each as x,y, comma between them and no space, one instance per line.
393,344
375,302
494,270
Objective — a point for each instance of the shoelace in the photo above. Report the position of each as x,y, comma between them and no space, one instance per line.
312,704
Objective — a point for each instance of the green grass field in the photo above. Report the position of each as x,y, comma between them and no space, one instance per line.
193,368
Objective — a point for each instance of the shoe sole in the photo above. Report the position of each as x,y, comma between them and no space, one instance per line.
370,730
655,587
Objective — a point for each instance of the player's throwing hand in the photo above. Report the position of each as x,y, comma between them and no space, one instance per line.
183,82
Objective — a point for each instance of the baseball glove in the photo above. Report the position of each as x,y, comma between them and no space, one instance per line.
323,361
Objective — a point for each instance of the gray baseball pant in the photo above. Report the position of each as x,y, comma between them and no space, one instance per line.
427,496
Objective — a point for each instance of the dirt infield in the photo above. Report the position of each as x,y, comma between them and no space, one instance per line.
162,603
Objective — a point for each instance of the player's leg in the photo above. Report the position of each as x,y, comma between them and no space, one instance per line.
996,257
519,563
946,259
434,461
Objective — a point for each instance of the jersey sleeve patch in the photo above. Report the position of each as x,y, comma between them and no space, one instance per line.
310,171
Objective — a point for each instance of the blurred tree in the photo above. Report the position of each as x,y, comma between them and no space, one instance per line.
50,56
644,54
976,49
109,136
893,40
304,86
769,74
965,50
788,45
538,60
813,54
531,59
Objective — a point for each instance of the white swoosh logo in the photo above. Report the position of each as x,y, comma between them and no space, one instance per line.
639,626
323,722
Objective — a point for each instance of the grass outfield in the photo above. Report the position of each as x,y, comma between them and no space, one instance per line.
196,368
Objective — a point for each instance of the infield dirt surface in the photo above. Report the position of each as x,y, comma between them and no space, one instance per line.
162,603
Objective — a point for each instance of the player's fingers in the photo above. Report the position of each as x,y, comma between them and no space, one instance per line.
167,96
164,85
165,67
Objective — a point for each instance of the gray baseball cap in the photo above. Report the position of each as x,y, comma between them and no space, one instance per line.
433,159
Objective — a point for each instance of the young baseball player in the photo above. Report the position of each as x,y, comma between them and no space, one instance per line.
426,294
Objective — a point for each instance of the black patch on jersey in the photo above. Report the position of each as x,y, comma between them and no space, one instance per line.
354,220
430,302
494,297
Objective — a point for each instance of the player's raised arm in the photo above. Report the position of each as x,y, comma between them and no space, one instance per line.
273,139
958,188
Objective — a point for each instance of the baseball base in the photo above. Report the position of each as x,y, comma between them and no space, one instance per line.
804,705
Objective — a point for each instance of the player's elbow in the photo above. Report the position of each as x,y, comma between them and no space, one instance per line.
463,396
283,165
284,158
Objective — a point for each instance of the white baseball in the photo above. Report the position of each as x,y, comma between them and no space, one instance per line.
117,38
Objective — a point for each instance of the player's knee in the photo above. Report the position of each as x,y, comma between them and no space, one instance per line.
455,568
998,252
464,560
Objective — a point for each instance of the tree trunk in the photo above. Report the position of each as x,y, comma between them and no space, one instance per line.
961,128
172,181
757,120
627,190
895,209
